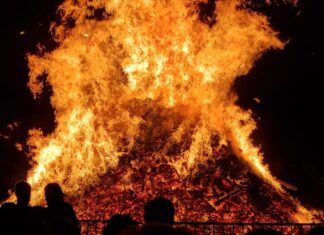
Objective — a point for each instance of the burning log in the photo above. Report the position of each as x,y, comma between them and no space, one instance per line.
220,200
288,186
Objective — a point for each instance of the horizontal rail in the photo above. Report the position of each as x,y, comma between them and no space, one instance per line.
94,227
225,223
251,223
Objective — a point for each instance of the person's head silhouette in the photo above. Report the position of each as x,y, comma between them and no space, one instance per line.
318,230
119,223
159,210
54,194
22,191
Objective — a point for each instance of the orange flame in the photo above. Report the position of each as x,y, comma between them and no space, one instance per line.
106,74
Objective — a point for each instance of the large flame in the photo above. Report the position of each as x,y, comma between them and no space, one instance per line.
124,60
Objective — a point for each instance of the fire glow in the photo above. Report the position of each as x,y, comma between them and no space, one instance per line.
151,77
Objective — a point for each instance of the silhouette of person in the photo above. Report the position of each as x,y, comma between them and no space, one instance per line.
57,207
8,214
22,192
7,207
120,224
34,226
14,215
19,210
264,232
159,210
62,226
318,230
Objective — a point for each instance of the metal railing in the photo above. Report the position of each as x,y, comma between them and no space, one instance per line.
94,227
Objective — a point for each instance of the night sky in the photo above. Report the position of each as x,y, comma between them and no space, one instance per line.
289,84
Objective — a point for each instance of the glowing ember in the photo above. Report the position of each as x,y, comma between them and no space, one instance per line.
150,82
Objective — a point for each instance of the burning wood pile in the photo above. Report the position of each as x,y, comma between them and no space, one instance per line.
144,106
221,190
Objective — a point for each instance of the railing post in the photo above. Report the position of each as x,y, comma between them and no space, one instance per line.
87,223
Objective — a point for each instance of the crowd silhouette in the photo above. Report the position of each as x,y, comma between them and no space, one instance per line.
59,218
21,218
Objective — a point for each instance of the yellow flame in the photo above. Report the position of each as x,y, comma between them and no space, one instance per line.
144,53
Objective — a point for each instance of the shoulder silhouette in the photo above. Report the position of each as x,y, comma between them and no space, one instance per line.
264,232
58,208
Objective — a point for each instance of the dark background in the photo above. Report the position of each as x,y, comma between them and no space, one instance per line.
289,84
